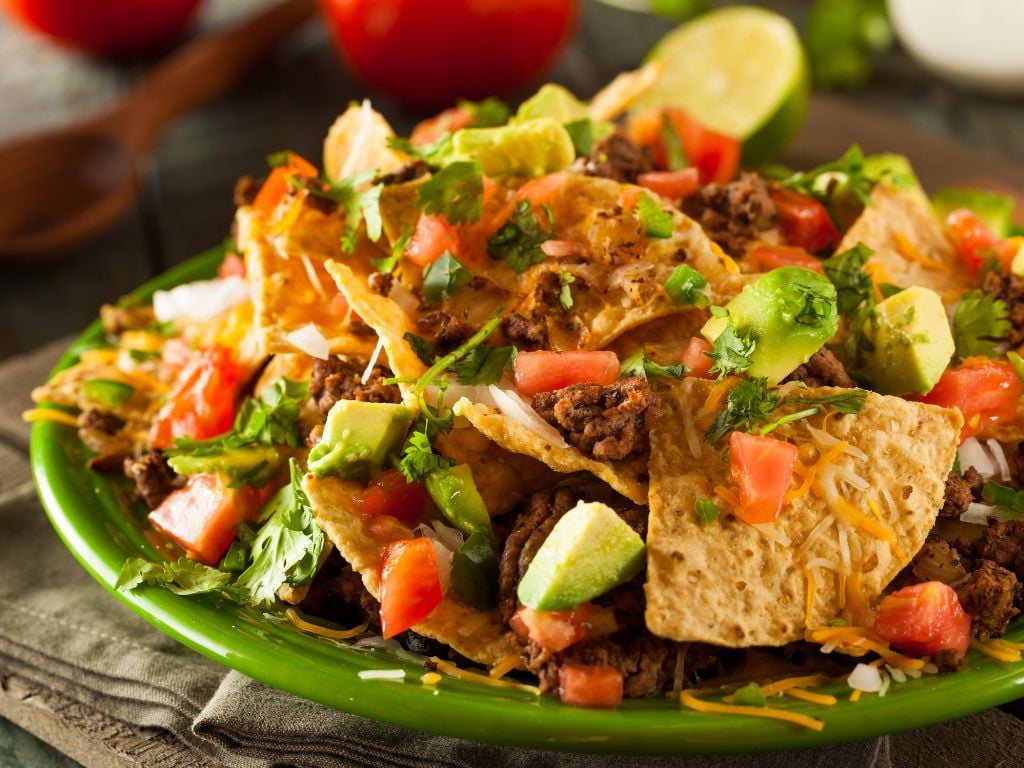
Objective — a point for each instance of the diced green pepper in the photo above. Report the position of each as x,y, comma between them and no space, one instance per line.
107,392
475,572
455,494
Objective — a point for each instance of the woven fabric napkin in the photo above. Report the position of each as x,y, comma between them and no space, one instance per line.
63,632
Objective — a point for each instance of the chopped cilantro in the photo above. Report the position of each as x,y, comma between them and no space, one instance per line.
454,192
434,154
675,153
443,277
484,365
817,307
388,263
418,458
424,348
657,222
707,511
517,242
852,282
565,299
979,324
184,577
107,392
750,695
489,113
359,202
639,364
687,286
817,182
850,401
731,351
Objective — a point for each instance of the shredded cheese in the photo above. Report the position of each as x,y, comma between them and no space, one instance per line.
475,677
727,496
997,649
810,473
314,278
824,699
730,266
506,665
688,699
909,251
430,678
316,629
368,371
715,397
855,696
49,414
860,637
781,686
812,589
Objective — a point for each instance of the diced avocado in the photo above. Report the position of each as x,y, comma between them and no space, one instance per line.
455,494
475,572
891,168
552,101
233,462
590,550
910,343
529,149
993,209
358,437
1017,264
790,313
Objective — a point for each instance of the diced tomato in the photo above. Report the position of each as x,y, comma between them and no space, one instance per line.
276,186
714,154
201,404
695,357
339,305
545,371
177,353
433,128
986,391
765,258
543,190
803,221
761,468
975,241
410,585
588,685
557,630
674,185
202,516
431,238
389,493
924,619
232,266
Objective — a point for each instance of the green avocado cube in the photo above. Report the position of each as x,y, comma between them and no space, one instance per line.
590,550
790,313
454,493
910,342
994,209
233,462
554,101
534,148
358,437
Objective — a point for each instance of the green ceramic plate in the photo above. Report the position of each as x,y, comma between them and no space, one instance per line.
102,527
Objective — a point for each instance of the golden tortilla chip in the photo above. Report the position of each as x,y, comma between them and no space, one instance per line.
911,246
358,141
477,635
663,340
628,477
729,584
290,284
616,97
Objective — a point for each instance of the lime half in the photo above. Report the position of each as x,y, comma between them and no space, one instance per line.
740,71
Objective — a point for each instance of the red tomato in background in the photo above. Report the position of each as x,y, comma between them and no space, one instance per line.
924,619
546,371
104,27
986,391
761,468
428,54
410,585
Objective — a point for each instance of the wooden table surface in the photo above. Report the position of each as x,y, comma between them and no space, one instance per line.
185,205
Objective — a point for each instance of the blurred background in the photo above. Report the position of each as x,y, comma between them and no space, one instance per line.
184,203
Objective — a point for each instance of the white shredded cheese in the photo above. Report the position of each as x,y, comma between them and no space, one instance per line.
865,678
896,673
816,532
314,278
886,680
359,144
373,362
773,533
844,547
692,440
823,562
382,674
996,450
308,339
200,300
515,408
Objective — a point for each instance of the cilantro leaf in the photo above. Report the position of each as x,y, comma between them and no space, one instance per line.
750,695
850,401
687,286
489,113
853,283
455,192
657,222
1002,496
979,324
360,203
424,348
817,307
484,365
817,182
184,577
639,364
434,154
517,242
731,351
418,458
565,299
748,404
388,263
443,277
707,511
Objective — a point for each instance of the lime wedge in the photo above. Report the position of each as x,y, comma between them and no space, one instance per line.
740,71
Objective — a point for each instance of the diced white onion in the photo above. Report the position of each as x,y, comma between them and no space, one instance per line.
382,674
373,362
977,513
455,392
403,297
201,300
443,558
973,454
451,537
865,678
996,449
308,339
515,408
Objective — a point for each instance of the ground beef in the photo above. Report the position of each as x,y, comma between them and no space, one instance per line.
340,378
605,422
381,282
337,593
958,496
975,482
408,172
823,369
107,423
153,477
616,157
735,213
1010,289
992,595
937,560
127,315
527,334
447,331
246,189
1002,543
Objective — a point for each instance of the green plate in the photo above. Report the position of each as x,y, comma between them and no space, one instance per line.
102,527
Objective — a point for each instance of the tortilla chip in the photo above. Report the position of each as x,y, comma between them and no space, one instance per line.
291,287
911,246
67,388
616,97
361,540
358,141
628,477
664,339
728,584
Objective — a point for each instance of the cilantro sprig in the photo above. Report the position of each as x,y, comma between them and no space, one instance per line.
980,323
454,192
639,364
731,351
518,241
818,182
444,277
360,203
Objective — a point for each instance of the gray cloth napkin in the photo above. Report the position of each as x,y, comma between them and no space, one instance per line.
164,705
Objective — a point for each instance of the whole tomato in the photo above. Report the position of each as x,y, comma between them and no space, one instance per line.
104,27
428,53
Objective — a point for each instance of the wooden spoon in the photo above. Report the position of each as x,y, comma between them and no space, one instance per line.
61,189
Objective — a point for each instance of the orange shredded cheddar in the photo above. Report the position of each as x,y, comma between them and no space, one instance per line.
811,472
824,699
727,496
506,665
475,677
730,266
996,649
909,251
316,629
630,197
688,699
430,678
855,600
49,414
855,696
715,397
